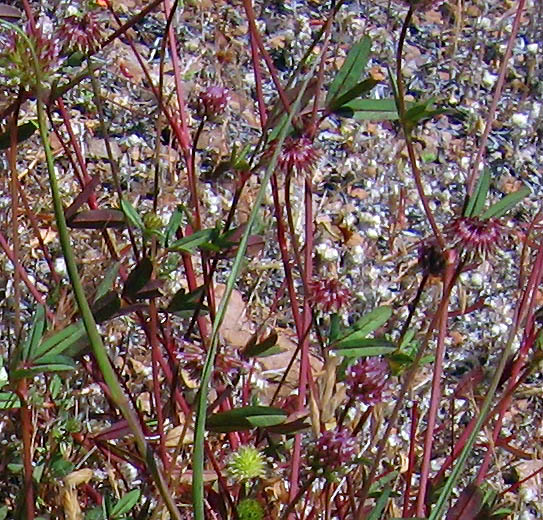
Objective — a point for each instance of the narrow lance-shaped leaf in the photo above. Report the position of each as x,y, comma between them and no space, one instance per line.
97,219
353,93
83,197
106,306
183,301
190,243
370,109
24,131
107,283
60,341
139,276
507,203
266,347
125,504
370,322
36,333
357,346
245,418
377,511
351,70
173,225
133,217
477,200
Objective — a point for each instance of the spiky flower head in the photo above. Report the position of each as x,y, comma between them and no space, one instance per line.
250,509
246,463
28,60
152,221
81,32
476,236
214,100
334,451
297,155
329,295
367,380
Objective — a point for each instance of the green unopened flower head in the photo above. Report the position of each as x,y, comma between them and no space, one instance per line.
250,509
247,463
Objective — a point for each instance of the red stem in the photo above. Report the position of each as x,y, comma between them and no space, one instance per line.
255,34
31,287
412,458
26,431
495,98
435,399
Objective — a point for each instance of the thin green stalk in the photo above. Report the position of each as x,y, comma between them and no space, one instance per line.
453,477
95,340
199,434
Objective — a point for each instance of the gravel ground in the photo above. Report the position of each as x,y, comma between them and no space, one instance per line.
363,180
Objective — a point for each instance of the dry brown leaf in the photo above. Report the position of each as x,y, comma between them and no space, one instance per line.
236,329
177,434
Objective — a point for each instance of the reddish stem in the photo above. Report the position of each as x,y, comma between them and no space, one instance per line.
435,400
495,98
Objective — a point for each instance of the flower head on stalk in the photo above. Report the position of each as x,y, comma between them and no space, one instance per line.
334,452
81,32
329,295
21,55
214,100
297,155
367,380
246,463
475,236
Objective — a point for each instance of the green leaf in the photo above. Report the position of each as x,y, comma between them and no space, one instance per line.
353,93
62,340
24,131
47,364
377,511
507,203
139,276
36,333
107,283
359,346
183,301
60,467
173,225
335,327
9,400
97,219
245,418
106,306
4,512
372,109
126,503
353,67
477,200
133,217
190,243
371,321
267,347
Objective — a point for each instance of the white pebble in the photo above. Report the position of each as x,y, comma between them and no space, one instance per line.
519,120
489,79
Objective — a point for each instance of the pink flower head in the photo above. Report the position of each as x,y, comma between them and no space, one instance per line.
329,295
214,100
333,451
81,32
298,154
476,236
17,60
367,380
